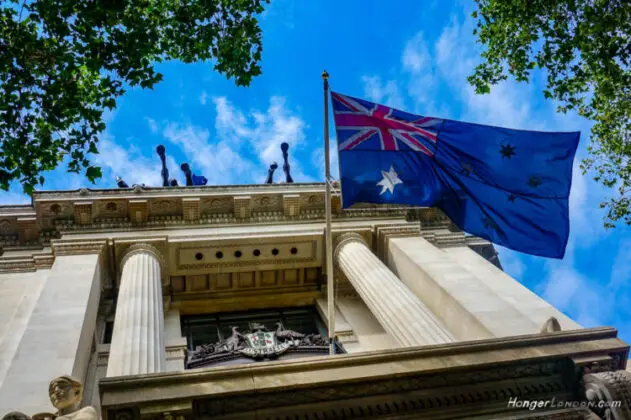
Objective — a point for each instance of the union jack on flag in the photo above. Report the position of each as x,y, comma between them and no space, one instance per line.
365,125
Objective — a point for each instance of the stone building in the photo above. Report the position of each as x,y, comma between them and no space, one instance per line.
210,303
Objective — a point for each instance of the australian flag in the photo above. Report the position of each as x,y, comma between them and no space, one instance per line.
508,186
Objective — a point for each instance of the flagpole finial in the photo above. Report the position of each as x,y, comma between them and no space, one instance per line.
325,75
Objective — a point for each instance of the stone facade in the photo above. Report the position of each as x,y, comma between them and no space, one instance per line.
97,284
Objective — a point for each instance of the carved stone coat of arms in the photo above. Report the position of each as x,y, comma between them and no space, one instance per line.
258,344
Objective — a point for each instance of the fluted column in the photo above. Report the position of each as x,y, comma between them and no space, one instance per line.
396,308
138,338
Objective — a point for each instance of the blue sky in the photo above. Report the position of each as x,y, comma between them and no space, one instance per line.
412,55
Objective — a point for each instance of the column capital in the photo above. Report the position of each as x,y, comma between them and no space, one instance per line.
140,248
345,238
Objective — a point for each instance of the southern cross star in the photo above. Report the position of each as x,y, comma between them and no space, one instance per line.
389,180
507,150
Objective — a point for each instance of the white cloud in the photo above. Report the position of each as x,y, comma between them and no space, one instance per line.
203,98
317,160
263,132
416,57
384,93
153,125
130,165
219,163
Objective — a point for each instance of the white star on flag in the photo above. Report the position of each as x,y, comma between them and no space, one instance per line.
390,179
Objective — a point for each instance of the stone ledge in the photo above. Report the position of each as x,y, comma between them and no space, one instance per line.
434,359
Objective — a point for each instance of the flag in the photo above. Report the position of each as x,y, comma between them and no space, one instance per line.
508,186
199,180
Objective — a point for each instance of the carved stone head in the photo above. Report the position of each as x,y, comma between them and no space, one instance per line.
16,415
65,392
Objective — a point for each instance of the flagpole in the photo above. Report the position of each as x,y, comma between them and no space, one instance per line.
330,283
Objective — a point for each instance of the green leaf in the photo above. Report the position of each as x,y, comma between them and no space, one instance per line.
66,62
93,173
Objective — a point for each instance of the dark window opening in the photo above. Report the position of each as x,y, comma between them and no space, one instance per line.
274,251
219,255
107,334
199,256
256,252
237,254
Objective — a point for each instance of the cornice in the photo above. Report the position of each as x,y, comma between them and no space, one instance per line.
69,247
54,213
194,191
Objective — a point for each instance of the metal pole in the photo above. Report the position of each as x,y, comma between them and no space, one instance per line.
330,283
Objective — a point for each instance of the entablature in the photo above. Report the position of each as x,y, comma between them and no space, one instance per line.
455,380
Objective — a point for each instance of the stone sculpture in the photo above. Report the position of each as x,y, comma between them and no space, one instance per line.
258,344
65,394
270,173
551,325
161,150
284,147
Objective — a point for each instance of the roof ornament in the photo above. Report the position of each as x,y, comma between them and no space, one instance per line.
191,178
161,150
121,183
284,147
270,173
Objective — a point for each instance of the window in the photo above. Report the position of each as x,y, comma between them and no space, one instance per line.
208,329
107,333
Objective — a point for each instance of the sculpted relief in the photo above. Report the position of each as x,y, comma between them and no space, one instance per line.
65,394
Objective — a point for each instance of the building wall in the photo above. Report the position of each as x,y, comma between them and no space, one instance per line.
18,296
58,336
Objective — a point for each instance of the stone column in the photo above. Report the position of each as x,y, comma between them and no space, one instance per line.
396,308
138,344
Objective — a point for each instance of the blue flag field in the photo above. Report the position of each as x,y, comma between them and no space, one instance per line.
508,186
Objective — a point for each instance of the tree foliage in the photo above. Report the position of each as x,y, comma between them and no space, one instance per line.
64,62
584,48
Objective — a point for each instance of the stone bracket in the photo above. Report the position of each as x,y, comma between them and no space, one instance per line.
242,206
138,211
291,205
190,208
28,229
83,211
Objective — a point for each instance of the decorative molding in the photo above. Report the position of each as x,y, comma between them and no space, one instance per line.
247,262
25,264
462,392
64,247
383,235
